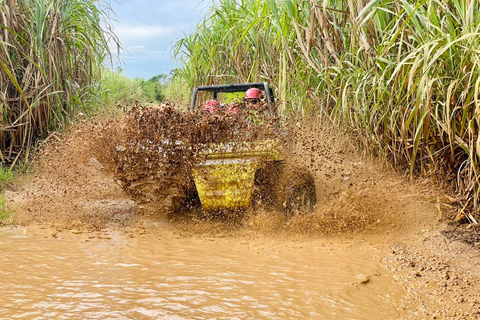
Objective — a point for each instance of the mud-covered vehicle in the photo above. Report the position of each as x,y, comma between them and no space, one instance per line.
250,170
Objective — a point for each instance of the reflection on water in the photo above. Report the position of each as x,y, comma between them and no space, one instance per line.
163,276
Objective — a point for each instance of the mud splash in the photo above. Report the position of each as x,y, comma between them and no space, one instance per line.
73,186
88,178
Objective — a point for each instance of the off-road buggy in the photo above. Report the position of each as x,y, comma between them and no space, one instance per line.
250,170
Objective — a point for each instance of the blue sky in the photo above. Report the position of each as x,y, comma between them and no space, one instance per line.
147,30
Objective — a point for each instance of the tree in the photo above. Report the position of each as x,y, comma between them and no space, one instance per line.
154,87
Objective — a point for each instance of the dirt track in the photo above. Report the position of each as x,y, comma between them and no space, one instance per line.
362,204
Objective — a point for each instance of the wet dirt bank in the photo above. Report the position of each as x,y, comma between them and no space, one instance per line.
374,247
440,275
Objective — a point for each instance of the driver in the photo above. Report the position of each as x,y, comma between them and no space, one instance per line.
252,98
255,106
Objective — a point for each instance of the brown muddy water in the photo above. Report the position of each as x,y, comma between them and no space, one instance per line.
167,275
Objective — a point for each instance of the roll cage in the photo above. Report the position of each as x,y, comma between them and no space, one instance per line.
242,87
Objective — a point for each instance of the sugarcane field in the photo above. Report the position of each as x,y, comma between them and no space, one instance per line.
239,159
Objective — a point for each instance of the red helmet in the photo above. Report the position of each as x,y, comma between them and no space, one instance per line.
253,93
232,107
211,106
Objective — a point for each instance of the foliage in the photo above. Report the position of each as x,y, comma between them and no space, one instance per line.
50,58
6,176
119,89
402,76
177,90
154,87
6,214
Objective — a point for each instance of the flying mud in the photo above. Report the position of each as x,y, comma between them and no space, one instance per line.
119,171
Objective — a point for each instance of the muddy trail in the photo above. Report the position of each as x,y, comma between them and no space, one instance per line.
101,233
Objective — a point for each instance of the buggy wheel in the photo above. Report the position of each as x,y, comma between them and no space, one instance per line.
187,202
265,187
296,194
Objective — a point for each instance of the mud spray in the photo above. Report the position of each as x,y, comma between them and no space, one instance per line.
132,170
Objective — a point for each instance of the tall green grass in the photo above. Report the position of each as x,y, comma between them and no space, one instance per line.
6,214
117,89
179,91
7,175
51,54
403,77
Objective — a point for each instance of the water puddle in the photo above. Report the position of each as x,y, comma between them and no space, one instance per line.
166,276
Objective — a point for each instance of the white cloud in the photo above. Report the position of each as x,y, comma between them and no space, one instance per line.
148,28
144,32
145,55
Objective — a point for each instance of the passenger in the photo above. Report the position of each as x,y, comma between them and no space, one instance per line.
211,106
233,107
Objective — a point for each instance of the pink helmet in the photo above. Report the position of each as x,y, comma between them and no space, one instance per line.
253,93
211,106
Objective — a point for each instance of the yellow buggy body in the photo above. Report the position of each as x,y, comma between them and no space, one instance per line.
225,175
